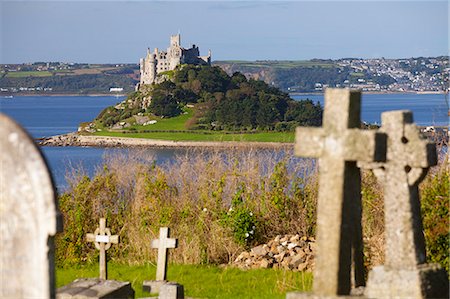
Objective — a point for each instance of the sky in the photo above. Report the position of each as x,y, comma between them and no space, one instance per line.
121,31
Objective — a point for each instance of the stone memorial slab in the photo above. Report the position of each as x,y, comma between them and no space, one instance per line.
103,240
29,218
405,273
95,288
339,144
171,290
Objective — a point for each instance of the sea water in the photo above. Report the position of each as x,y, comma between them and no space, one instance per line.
45,116
428,109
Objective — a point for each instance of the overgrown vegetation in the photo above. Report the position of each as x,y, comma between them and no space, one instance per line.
221,102
219,204
435,214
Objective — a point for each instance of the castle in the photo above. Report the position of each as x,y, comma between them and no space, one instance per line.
161,61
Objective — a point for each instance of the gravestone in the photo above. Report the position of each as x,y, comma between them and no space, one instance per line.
102,239
95,288
98,288
339,144
166,290
29,218
163,244
405,273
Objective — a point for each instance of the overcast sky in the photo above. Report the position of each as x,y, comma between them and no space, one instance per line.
121,31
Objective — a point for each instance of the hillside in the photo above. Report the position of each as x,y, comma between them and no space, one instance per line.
204,98
63,78
303,76
419,74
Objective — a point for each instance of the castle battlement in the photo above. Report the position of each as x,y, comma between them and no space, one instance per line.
158,61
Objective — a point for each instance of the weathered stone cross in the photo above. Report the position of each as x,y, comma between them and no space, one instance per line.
163,243
339,144
408,159
103,240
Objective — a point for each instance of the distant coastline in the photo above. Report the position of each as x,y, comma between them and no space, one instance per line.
124,95
62,95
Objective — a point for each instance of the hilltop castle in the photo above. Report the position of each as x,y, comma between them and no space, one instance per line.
161,61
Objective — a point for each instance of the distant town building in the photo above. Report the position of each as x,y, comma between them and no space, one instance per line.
116,89
157,62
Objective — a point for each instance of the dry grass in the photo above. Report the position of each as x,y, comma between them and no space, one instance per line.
198,195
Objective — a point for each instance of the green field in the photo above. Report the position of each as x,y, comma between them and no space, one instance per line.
201,281
174,129
207,136
29,74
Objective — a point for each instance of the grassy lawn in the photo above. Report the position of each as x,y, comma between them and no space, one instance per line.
201,281
28,74
207,136
171,123
168,129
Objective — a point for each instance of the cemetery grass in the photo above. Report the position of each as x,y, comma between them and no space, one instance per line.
201,281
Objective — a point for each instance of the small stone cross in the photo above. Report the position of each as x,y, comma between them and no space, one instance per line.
103,240
163,243
339,144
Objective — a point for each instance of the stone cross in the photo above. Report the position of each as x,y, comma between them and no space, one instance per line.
163,243
29,218
103,240
339,144
408,159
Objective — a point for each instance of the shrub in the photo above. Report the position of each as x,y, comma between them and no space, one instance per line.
435,209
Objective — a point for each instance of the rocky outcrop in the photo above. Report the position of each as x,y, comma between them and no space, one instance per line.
290,252
70,139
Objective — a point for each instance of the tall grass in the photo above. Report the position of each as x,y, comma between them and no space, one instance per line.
218,204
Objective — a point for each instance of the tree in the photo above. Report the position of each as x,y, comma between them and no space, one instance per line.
164,105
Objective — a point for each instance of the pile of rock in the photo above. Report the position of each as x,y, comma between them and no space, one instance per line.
290,252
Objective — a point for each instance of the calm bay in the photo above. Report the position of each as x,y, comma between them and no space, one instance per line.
52,115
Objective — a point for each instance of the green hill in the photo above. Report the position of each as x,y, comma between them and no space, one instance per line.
205,98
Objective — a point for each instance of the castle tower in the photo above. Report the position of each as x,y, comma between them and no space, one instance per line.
148,68
174,52
175,40
151,67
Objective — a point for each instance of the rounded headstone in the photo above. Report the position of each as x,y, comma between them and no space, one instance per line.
28,216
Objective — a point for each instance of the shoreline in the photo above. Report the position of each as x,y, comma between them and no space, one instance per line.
63,95
73,139
124,95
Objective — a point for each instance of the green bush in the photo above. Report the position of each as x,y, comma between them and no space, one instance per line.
240,219
435,209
